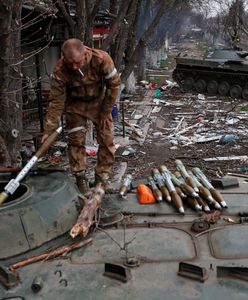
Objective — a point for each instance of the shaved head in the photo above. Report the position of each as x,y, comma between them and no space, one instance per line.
72,48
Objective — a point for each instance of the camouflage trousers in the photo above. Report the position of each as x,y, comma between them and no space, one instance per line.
76,123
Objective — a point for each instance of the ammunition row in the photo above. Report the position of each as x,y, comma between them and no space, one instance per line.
183,187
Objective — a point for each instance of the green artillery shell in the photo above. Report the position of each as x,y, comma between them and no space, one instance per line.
176,181
181,168
218,197
167,180
163,168
190,181
157,177
180,192
155,190
215,205
192,202
179,176
203,179
160,182
203,204
198,184
126,184
188,190
177,202
165,193
205,194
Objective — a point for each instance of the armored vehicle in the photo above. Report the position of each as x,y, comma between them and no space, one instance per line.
137,251
223,72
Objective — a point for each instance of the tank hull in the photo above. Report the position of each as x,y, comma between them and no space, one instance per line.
223,73
149,244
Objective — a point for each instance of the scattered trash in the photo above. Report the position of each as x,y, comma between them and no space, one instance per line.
226,158
201,97
158,93
158,133
91,150
200,117
232,121
138,117
229,220
156,109
115,113
227,138
204,139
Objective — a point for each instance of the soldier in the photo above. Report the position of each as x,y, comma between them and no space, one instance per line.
86,83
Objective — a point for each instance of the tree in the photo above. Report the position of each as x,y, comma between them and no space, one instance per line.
233,22
164,5
10,88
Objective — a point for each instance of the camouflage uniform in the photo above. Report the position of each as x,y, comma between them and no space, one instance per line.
85,95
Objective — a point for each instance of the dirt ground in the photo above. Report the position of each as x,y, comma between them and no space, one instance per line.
213,116
175,131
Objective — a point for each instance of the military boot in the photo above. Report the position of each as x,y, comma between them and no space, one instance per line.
82,182
105,181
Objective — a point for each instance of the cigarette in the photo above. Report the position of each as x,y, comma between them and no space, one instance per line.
81,72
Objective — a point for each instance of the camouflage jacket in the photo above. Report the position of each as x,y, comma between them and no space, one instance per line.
97,81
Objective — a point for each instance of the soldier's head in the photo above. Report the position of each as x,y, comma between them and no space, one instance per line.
73,54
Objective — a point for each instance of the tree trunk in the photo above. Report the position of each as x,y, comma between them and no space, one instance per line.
144,38
80,19
116,25
142,62
123,35
88,38
131,33
10,88
62,9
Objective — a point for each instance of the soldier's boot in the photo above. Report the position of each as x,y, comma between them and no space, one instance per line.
105,181
82,182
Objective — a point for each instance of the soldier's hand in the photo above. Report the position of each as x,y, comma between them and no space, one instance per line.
44,137
105,120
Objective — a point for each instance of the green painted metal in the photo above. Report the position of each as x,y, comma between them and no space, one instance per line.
155,236
220,66
48,209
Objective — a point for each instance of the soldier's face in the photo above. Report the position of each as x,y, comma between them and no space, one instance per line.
75,62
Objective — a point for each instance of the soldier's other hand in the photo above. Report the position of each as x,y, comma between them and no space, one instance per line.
105,120
44,137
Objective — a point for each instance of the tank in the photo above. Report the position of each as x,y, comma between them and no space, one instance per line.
137,251
222,71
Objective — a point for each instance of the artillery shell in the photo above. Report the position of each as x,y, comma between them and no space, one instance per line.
188,190
165,193
203,204
177,202
179,176
158,195
190,181
218,197
216,205
205,194
180,192
192,202
126,184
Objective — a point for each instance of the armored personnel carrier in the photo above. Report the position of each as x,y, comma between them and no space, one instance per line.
137,251
223,72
